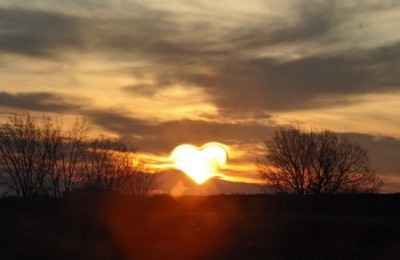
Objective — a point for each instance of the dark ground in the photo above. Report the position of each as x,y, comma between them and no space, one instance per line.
214,227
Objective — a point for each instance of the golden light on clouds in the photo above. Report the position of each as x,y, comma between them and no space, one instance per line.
363,114
201,163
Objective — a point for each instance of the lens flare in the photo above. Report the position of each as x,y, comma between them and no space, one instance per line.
200,163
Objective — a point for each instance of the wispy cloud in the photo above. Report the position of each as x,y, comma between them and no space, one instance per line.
39,101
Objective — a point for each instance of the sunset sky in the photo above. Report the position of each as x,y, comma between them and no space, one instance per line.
164,73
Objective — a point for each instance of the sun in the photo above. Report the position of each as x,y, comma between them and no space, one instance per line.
200,163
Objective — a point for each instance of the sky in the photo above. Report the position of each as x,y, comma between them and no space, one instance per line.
163,73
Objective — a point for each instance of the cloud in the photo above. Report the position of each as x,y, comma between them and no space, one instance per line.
236,116
308,21
145,90
309,82
238,79
384,152
38,33
166,135
38,101
245,140
156,137
224,63
163,137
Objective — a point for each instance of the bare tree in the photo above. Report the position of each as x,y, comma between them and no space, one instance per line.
38,158
140,180
112,166
48,143
27,153
98,163
69,164
316,162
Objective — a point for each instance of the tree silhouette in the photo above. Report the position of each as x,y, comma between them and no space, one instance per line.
315,162
27,154
39,159
69,164
110,165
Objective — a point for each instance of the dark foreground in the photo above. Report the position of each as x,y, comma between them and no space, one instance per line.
215,227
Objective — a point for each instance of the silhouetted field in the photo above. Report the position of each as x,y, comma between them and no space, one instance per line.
213,227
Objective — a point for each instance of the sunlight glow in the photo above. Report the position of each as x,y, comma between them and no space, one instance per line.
200,163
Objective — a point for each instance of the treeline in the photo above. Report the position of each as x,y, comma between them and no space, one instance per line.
39,158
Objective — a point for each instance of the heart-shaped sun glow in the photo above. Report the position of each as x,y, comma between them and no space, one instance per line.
200,163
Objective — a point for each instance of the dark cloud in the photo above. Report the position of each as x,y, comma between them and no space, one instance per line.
240,81
384,152
310,82
40,101
165,136
311,21
117,122
235,79
386,64
146,33
38,33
